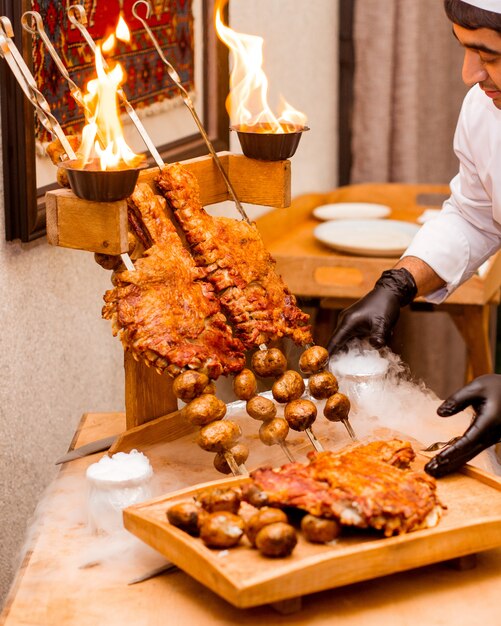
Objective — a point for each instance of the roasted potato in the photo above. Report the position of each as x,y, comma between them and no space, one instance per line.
222,529
187,516
313,360
337,407
240,453
263,517
245,385
300,414
276,540
254,495
319,529
273,431
210,388
322,385
261,408
213,500
204,410
290,386
271,362
107,261
219,436
189,385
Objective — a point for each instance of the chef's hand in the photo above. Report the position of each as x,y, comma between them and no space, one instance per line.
484,395
374,316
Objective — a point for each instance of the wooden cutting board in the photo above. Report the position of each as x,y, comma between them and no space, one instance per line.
471,523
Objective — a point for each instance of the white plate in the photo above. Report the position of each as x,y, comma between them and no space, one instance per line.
367,237
351,211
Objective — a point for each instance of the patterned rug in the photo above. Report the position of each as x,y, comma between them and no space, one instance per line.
147,79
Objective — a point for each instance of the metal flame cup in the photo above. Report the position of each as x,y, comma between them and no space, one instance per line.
258,143
101,185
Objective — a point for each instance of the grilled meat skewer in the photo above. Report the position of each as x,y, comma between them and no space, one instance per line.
253,296
164,311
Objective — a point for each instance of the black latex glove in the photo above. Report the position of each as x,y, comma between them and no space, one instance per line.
484,395
374,316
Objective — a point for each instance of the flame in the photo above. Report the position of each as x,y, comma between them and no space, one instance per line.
102,136
247,103
109,43
122,31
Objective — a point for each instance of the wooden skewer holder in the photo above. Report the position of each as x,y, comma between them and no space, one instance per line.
150,405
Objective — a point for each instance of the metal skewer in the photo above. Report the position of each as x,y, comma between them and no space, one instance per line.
237,470
347,425
77,16
35,27
28,84
287,451
314,441
176,79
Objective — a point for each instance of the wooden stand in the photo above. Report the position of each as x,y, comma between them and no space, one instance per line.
151,407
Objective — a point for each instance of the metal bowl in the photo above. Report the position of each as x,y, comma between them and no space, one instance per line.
98,185
268,146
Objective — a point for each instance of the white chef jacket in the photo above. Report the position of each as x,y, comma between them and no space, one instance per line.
467,231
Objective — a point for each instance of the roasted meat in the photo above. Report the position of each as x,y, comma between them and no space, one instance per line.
367,485
253,296
164,311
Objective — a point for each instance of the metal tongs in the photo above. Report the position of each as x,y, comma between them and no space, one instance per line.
24,77
176,79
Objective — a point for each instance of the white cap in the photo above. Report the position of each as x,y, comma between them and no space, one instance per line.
487,5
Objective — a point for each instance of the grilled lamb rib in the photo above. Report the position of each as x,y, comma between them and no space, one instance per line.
164,311
368,485
253,296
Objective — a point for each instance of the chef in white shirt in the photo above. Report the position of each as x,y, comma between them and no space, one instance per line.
450,248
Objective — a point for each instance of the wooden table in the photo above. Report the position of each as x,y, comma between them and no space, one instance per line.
71,578
312,270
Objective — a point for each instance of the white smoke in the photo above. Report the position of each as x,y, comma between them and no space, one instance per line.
384,396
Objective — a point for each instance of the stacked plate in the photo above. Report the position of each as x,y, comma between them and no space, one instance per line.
358,228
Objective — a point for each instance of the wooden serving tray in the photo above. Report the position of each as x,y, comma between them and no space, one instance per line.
471,523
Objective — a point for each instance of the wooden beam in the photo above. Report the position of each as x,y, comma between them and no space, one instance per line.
102,226
86,225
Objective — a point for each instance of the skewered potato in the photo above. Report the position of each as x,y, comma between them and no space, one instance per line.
254,495
173,370
337,407
219,436
204,409
273,431
319,529
300,414
290,386
213,500
276,540
261,408
245,385
322,385
271,362
263,517
313,360
240,453
189,385
108,261
222,529
187,516
210,388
